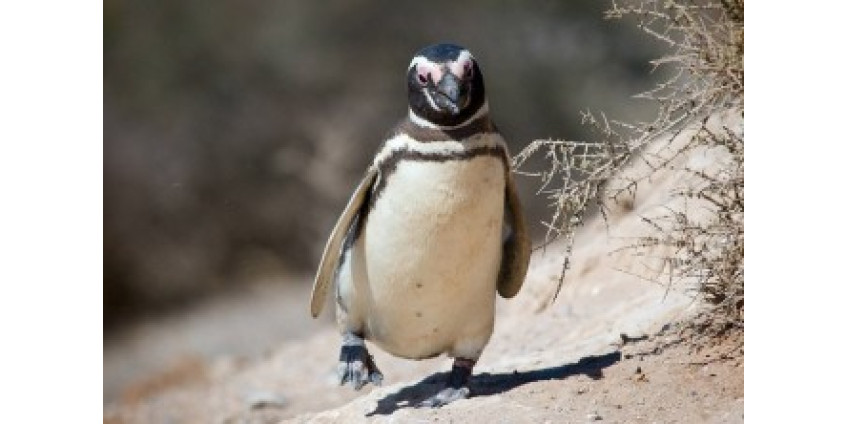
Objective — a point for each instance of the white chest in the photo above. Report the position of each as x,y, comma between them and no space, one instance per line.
432,247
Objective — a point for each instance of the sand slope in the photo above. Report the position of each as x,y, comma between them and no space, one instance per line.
565,363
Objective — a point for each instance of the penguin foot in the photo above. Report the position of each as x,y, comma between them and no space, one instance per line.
457,386
444,397
356,365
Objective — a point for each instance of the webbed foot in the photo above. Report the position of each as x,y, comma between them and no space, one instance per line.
457,386
356,365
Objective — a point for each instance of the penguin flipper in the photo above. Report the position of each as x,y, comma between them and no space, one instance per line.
516,247
332,251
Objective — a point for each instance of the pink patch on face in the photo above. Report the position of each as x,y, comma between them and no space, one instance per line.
463,68
428,70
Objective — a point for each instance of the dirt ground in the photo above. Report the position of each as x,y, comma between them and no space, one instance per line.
596,354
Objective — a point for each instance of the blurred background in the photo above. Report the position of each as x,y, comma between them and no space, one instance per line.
236,130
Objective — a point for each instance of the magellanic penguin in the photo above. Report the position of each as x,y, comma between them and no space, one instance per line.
431,233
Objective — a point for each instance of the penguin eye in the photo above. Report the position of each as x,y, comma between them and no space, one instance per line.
423,78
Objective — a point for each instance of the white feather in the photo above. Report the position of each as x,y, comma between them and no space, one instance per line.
421,122
421,279
402,142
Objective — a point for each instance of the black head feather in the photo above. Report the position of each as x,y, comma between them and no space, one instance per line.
445,85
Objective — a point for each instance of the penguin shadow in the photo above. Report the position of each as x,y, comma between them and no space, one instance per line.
487,384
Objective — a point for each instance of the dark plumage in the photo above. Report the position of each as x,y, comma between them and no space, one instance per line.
470,86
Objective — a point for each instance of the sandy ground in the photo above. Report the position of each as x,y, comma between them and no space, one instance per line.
564,363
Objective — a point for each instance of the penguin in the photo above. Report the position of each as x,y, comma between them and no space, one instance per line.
432,233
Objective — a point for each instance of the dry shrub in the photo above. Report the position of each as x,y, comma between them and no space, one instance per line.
706,51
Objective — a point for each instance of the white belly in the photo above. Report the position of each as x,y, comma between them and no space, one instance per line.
432,251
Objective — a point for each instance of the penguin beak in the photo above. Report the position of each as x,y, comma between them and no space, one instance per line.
449,95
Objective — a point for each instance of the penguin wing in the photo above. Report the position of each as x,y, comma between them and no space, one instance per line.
332,251
516,246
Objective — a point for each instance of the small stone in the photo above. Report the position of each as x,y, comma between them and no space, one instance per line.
594,416
638,370
256,399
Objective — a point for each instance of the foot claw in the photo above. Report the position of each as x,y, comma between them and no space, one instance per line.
375,377
456,387
444,397
356,366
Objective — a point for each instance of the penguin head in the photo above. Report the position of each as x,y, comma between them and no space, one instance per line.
445,86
